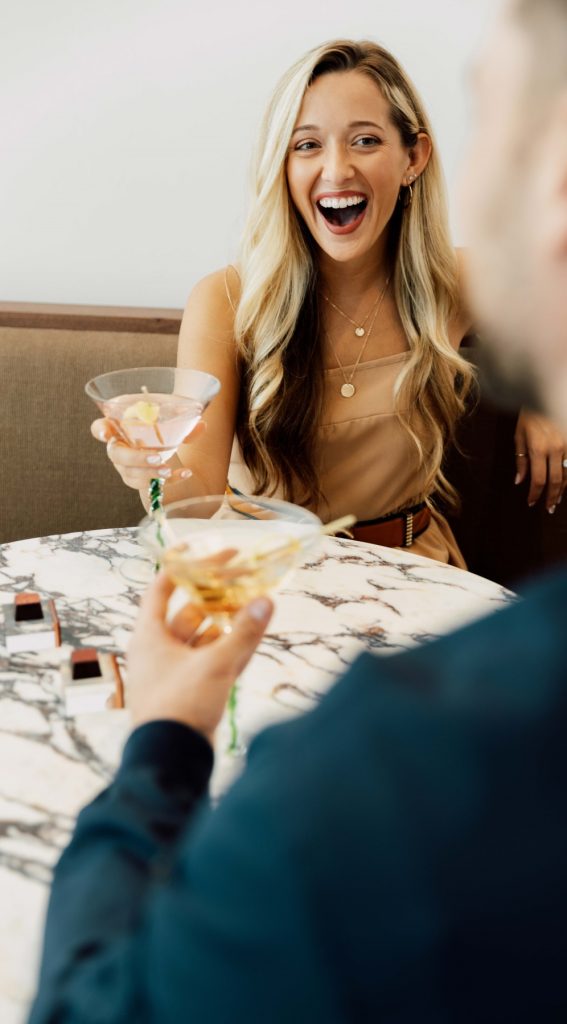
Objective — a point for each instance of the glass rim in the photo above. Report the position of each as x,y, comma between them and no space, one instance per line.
92,384
309,517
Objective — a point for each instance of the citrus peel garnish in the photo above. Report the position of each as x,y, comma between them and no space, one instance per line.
146,412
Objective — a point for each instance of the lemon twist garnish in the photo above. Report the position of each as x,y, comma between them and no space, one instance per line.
146,412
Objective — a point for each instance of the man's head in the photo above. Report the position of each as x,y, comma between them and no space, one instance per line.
514,199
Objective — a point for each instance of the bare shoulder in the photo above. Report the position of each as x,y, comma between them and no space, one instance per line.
208,320
462,322
218,292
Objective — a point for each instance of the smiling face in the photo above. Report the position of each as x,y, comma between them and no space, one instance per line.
347,163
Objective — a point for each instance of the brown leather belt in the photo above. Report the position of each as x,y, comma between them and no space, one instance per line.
398,530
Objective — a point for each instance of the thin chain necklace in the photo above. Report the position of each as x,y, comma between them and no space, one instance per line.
359,328
348,389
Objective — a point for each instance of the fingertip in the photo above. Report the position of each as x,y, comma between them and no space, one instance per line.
99,430
163,582
260,610
181,474
252,620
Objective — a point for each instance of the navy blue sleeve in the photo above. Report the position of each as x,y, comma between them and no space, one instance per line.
123,844
161,914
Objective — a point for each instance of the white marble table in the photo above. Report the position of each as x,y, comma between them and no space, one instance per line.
355,596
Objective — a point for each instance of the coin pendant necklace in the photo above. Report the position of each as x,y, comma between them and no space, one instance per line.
348,389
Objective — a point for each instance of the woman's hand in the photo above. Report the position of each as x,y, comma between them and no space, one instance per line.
540,451
136,466
176,673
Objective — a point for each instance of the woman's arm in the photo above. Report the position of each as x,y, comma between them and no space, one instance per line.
206,342
540,446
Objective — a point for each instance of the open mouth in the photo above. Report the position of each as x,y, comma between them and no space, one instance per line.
342,212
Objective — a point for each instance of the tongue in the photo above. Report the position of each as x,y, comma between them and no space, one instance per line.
340,218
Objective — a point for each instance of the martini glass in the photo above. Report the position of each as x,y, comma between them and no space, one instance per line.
153,409
226,550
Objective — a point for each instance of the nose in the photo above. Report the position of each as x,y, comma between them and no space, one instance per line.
337,165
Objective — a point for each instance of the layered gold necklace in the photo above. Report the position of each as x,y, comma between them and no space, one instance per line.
359,328
347,388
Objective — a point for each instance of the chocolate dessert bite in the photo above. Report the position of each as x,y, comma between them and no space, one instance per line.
30,624
85,664
28,607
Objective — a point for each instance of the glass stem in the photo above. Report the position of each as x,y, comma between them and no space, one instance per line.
155,493
233,746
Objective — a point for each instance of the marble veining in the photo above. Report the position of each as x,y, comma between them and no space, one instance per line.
352,597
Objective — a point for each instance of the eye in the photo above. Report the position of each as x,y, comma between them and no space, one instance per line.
367,141
306,146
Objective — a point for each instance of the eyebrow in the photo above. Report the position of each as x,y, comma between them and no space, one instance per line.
353,124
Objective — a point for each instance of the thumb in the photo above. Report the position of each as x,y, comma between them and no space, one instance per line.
153,606
248,629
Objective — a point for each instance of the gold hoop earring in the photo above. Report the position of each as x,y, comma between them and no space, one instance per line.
408,196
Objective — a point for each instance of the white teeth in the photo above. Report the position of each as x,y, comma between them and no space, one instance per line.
334,203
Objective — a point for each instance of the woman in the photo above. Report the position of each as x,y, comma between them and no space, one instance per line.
336,338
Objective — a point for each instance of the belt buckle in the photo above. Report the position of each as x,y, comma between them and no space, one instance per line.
408,524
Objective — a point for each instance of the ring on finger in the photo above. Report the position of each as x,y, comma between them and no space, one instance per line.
524,455
564,463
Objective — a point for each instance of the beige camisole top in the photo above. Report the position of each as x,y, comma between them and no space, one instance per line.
368,464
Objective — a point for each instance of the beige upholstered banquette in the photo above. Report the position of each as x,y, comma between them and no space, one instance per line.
55,478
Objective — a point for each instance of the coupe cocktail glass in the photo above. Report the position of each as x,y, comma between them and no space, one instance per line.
225,550
153,408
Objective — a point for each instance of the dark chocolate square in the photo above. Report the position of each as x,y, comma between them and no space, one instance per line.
85,664
28,608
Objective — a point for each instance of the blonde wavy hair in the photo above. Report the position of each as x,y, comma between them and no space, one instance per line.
277,320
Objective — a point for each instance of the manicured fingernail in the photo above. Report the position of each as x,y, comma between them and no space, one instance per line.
164,473
552,510
153,460
185,474
518,478
102,434
259,609
112,441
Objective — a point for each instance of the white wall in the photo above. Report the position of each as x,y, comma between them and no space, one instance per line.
126,127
